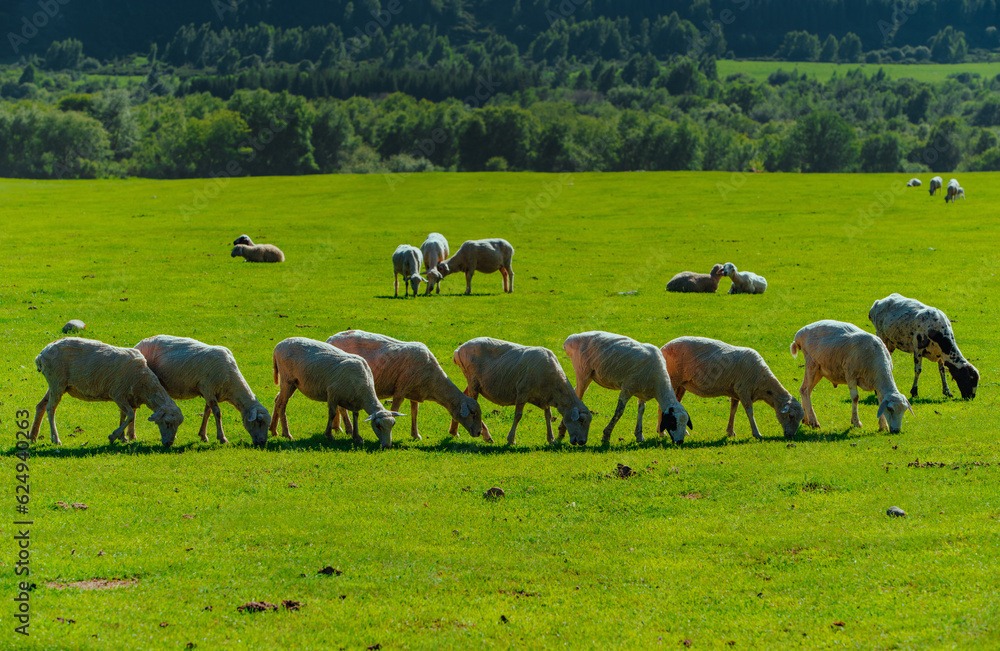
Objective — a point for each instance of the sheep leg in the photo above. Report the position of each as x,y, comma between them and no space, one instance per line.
853,386
395,285
503,278
510,280
638,423
331,412
518,412
50,410
414,405
809,381
357,437
129,419
944,381
548,425
468,282
203,431
748,407
623,398
883,424
39,410
280,402
348,428
679,391
733,406
917,366
220,435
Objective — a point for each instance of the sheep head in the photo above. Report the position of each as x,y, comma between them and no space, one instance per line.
966,377
415,281
168,419
382,424
470,415
243,239
237,251
728,269
790,415
577,422
675,420
893,407
256,421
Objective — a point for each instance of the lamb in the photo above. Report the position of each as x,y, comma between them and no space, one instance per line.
923,331
845,354
188,368
512,374
620,363
435,250
744,282
327,374
407,260
914,183
710,368
936,183
408,371
689,281
243,239
258,253
94,371
485,256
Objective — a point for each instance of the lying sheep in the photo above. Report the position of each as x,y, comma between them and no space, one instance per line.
408,371
914,183
95,371
744,282
258,253
923,331
243,239
407,260
512,374
327,374
623,364
435,250
689,281
187,368
485,256
710,368
936,184
845,354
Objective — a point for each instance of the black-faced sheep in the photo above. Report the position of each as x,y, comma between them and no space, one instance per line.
689,281
258,253
243,239
485,256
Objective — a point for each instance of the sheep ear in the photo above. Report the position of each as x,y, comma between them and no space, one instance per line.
784,409
253,414
910,407
464,412
395,414
155,417
881,409
574,414
690,426
368,419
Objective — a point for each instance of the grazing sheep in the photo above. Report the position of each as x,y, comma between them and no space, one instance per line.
710,368
845,354
936,184
187,368
512,374
94,371
435,250
689,281
408,371
407,260
951,192
485,256
914,183
243,239
327,374
923,331
744,282
620,363
258,253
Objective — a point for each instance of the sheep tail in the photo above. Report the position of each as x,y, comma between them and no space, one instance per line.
275,363
795,349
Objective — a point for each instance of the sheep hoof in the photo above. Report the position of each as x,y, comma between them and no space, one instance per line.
639,438
223,439
416,436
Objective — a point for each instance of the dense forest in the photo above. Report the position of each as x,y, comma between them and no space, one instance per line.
235,87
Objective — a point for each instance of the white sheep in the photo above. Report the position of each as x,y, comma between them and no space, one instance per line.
953,191
710,368
744,282
243,239
617,362
936,184
845,354
327,374
435,250
923,331
258,253
407,370
689,281
914,183
485,256
512,374
188,368
94,371
407,260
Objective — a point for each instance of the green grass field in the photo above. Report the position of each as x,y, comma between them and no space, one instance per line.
719,543
927,72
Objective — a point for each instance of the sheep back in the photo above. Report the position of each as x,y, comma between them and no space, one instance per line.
509,374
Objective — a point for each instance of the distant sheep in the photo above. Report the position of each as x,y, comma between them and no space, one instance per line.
845,354
327,374
188,368
925,332
936,184
744,282
623,364
485,256
258,253
94,371
954,191
689,281
512,374
435,250
710,368
914,183
407,260
243,239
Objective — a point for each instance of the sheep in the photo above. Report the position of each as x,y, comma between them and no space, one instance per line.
845,354
243,239
327,374
188,368
258,253
953,190
913,183
512,374
710,368
94,371
407,260
744,282
620,363
408,371
485,256
936,183
435,250
689,281
923,331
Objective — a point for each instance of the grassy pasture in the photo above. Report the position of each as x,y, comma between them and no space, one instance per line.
928,72
761,544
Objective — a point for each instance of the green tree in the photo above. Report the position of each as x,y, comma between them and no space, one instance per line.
850,49
280,140
28,76
799,46
948,46
828,143
880,153
64,55
943,152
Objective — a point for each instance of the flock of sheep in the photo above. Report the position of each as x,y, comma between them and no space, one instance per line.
952,192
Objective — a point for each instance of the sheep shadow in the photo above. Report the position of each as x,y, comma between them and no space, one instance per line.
871,400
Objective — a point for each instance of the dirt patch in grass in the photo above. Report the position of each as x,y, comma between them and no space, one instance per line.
95,584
